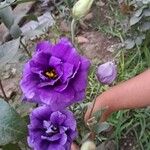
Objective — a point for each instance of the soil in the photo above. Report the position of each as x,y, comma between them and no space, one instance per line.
128,142
97,46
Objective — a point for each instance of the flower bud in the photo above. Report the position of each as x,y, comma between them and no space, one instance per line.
107,72
88,145
81,8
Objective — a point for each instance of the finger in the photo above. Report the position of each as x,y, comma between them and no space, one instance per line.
97,106
74,146
88,112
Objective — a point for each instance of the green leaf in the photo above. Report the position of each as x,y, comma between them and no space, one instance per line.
145,1
11,147
134,20
129,43
100,127
31,17
8,51
145,26
146,13
6,3
97,115
12,126
139,39
138,13
23,1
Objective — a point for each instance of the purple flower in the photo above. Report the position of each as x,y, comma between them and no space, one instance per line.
107,72
56,75
50,130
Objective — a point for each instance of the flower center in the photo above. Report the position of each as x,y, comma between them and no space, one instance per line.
51,73
54,128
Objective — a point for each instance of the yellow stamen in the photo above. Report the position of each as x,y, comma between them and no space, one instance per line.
51,74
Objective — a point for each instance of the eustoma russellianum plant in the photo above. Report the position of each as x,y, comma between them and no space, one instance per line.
107,72
55,77
50,130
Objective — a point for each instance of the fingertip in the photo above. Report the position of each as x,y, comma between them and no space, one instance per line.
74,146
88,112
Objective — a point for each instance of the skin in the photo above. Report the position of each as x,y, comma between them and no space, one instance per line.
74,147
134,93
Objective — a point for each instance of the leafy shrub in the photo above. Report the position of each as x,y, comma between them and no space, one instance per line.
139,23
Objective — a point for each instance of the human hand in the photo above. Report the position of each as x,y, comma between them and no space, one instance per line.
102,102
74,146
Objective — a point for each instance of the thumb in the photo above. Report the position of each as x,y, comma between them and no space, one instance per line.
74,147
88,112
95,108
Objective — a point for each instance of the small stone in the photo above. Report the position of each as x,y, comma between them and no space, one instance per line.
64,26
100,3
88,145
88,17
81,40
10,89
115,47
125,144
13,71
6,75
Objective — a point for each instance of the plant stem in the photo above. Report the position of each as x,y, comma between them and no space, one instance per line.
92,108
25,48
73,25
3,91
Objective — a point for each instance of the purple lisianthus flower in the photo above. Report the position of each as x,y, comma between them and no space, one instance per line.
56,75
107,72
50,130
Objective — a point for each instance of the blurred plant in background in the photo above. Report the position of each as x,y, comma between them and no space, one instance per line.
139,23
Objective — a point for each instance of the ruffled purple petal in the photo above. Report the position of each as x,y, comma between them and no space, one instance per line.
54,61
41,113
65,51
44,46
63,139
81,78
69,122
56,147
80,95
54,99
51,130
51,138
41,58
29,82
57,118
36,68
67,71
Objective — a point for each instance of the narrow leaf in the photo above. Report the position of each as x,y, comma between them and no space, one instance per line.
11,147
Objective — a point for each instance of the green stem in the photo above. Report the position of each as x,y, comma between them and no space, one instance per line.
73,25
25,48
93,105
3,91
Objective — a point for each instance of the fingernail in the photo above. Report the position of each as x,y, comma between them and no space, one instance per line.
90,105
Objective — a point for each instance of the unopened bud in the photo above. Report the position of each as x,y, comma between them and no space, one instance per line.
88,145
107,72
81,8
